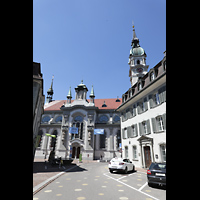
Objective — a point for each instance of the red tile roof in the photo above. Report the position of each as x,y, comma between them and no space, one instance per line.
111,104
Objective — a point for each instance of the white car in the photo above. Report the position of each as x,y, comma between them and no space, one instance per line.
119,164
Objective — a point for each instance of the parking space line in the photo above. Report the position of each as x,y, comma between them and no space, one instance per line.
130,186
142,187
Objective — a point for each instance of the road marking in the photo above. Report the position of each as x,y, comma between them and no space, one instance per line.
68,178
84,184
148,190
142,186
139,179
78,180
48,191
80,198
35,198
60,186
120,190
58,195
76,190
103,186
101,194
131,187
120,185
97,176
96,179
123,198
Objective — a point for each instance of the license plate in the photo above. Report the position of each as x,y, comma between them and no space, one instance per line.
158,174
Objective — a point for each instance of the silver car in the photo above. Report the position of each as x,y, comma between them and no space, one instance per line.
119,164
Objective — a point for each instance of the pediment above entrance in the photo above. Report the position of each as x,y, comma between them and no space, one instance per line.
144,138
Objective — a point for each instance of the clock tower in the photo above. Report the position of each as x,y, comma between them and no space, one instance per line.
137,60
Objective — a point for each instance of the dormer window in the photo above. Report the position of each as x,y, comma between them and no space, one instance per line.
152,76
139,86
104,104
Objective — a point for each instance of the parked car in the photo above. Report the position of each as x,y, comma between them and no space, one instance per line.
156,174
119,164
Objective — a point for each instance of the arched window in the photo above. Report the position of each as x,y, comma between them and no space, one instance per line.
78,122
138,61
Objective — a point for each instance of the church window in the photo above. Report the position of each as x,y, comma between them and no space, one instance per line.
78,122
138,61
45,119
116,118
59,119
78,118
103,118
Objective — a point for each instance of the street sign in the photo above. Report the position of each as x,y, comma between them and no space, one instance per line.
73,130
98,131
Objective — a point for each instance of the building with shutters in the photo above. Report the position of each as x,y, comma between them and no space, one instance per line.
143,110
86,115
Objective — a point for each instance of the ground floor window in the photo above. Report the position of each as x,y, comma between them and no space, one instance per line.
163,152
126,152
134,152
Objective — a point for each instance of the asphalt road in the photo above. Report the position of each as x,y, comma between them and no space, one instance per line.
93,181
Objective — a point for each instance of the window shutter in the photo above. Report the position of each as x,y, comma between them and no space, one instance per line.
151,101
123,136
148,127
134,110
140,129
131,135
164,93
164,120
136,130
129,131
145,104
138,108
153,120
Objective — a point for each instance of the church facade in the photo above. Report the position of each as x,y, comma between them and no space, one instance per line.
86,115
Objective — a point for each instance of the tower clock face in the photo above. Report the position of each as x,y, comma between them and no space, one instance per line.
139,70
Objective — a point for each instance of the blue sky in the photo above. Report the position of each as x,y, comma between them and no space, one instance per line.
91,40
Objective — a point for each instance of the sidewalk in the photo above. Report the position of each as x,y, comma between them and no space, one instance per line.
43,173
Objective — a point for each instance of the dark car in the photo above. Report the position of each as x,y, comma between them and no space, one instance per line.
156,174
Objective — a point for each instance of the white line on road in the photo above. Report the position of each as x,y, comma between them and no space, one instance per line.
142,187
130,186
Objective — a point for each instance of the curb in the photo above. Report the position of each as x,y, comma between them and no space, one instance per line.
40,186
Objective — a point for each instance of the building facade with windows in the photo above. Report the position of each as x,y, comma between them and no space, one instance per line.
38,103
143,110
86,115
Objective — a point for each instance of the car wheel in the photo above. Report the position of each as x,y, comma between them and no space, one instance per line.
111,171
133,169
126,170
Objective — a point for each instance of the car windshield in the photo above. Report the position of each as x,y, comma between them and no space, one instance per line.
158,166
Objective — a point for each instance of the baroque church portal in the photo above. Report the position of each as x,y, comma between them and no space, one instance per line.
86,115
